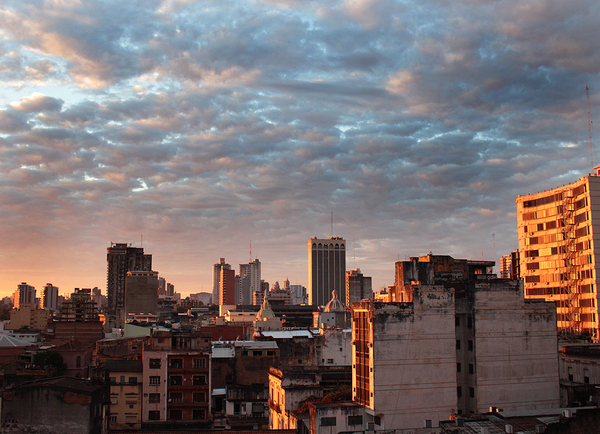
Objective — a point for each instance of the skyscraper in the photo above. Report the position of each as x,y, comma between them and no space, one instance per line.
326,269
120,259
358,287
24,294
141,292
559,231
227,287
216,281
50,300
250,281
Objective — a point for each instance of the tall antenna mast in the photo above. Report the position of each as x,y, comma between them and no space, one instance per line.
587,93
250,251
332,223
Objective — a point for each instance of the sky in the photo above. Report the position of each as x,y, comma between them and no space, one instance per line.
209,129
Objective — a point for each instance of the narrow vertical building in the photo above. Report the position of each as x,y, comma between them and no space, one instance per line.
227,287
216,279
120,259
250,275
358,287
559,231
326,269
50,300
24,294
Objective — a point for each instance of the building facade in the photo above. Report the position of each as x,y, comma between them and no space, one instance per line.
559,231
326,269
216,279
24,294
250,281
120,259
469,336
227,287
141,292
358,287
50,300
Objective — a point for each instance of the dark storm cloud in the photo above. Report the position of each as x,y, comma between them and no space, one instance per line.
206,124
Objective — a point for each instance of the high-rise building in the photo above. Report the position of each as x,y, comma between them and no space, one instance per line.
358,287
216,279
509,265
559,232
162,286
250,281
459,331
24,294
141,292
50,300
122,258
227,287
326,269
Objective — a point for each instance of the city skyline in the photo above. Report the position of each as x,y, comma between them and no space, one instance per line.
207,129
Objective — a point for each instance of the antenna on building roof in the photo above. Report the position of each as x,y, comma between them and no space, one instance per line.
587,93
250,251
332,223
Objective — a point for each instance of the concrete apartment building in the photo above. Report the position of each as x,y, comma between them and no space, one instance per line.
177,379
358,286
141,293
559,230
120,259
472,338
326,269
24,294
250,281
50,297
125,380
216,279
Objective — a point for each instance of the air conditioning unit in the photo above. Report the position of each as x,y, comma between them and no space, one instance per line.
566,413
370,426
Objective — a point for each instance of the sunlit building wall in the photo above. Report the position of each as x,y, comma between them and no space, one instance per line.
216,278
559,232
24,294
50,300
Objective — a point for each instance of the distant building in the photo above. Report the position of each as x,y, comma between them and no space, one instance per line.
227,287
249,281
487,343
120,259
358,287
326,269
509,266
216,279
299,294
24,294
141,293
28,315
559,234
162,286
50,300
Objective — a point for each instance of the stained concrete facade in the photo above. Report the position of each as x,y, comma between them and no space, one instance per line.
326,269
465,342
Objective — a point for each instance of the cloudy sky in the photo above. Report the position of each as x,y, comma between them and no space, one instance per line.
205,126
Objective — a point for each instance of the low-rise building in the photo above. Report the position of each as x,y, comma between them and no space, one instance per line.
125,380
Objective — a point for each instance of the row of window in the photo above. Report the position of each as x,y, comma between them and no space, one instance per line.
469,344
131,380
178,380
177,363
257,353
471,392
154,398
471,368
332,421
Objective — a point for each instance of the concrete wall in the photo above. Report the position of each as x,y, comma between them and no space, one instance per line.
414,360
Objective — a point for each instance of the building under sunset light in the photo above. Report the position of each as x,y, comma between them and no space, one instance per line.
326,270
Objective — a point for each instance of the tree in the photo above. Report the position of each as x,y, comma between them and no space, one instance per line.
50,359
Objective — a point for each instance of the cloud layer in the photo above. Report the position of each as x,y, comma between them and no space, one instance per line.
204,125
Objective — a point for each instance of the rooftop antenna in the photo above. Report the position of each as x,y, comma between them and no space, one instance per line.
587,93
332,223
250,250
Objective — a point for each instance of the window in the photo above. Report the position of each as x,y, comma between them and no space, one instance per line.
175,414
458,367
154,415
199,397
122,379
154,398
176,397
154,364
199,380
459,391
199,363
132,380
471,368
330,361
78,362
270,353
154,380
354,420
113,418
328,421
470,345
471,392
469,322
457,321
458,344
257,353
131,399
176,380
176,363
428,423
199,414
236,408
113,380
113,399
